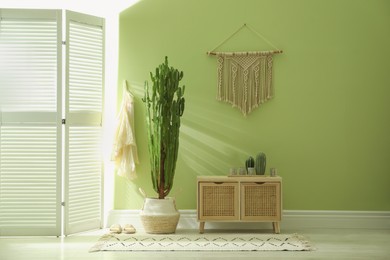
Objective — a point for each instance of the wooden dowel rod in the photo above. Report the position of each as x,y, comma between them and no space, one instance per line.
244,53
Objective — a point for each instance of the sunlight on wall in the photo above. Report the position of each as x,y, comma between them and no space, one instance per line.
328,120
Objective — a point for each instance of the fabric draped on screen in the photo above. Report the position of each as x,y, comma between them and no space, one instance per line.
125,152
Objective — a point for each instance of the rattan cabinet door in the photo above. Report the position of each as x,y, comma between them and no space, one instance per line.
218,201
260,201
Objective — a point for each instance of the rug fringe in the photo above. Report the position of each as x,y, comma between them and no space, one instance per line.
306,243
100,243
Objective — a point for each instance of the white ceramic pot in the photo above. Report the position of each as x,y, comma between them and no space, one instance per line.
251,171
159,216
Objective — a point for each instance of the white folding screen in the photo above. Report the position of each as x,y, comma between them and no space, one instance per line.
84,105
30,122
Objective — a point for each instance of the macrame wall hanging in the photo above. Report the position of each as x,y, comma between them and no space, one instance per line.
245,78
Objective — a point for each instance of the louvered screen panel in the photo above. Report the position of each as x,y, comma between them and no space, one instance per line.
30,147
28,180
85,67
28,51
84,200
83,161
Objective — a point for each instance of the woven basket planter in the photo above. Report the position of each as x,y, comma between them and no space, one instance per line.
159,216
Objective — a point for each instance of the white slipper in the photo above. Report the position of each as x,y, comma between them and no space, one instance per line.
128,229
116,228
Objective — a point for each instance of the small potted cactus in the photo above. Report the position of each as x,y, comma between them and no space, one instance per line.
250,166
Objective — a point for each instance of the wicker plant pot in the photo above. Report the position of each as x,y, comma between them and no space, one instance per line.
159,216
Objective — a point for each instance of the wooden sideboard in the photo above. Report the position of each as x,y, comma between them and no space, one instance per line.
239,199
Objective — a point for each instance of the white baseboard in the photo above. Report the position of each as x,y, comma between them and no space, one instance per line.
291,220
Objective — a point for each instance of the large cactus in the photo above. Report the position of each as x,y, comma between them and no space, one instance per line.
260,163
164,106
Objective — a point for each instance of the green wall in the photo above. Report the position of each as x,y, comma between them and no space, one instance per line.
327,130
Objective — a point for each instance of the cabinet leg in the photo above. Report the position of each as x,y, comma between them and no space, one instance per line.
276,226
201,227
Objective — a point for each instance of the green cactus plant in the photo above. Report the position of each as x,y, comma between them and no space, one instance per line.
260,163
164,103
249,163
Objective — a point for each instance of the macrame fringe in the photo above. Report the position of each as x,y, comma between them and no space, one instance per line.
245,80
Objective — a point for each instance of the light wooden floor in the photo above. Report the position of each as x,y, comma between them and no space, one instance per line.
329,243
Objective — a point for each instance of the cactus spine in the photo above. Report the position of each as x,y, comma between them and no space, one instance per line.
260,163
250,163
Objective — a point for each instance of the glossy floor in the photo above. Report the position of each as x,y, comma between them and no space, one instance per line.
329,244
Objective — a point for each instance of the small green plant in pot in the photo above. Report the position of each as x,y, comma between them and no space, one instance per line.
250,165
164,103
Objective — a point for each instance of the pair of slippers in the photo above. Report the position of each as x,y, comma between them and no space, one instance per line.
127,229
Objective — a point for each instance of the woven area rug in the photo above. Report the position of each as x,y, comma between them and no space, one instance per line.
202,242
